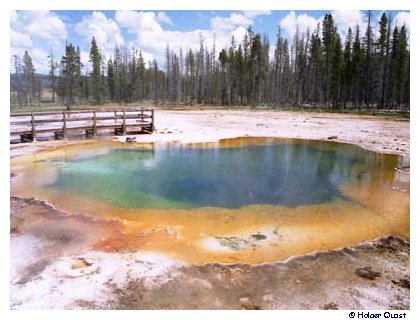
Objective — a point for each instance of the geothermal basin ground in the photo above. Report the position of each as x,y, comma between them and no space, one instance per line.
76,254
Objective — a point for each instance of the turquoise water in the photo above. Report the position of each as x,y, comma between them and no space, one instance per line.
289,173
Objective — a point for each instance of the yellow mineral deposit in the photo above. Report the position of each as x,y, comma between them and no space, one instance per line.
250,234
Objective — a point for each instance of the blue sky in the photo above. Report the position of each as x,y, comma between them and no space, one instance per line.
42,32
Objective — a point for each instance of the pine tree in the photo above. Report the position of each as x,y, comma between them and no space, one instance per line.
111,80
256,67
248,74
141,71
52,74
382,57
79,78
190,77
400,67
301,67
96,74
348,74
29,80
70,81
357,61
368,48
278,71
223,59
238,75
18,80
328,37
337,64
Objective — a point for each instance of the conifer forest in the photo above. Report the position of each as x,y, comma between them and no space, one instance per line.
320,69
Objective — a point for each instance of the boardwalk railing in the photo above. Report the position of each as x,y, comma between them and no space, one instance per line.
30,125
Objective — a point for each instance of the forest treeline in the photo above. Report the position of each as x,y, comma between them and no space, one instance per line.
364,70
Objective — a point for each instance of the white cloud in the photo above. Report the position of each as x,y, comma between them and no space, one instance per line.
46,26
256,13
138,22
38,32
402,18
39,57
154,43
292,22
229,23
151,38
20,40
106,32
345,19
164,18
13,16
239,33
39,25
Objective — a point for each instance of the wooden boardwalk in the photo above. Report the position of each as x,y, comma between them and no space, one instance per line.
60,125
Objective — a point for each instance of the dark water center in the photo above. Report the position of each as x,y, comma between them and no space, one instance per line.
230,175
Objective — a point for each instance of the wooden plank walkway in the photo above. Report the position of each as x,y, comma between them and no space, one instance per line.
61,124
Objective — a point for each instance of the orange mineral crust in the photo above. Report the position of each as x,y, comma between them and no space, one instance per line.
253,233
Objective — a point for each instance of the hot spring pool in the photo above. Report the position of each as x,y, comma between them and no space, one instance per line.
245,199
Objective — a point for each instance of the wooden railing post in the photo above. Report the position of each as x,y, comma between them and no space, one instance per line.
64,125
123,125
33,126
115,116
153,121
94,124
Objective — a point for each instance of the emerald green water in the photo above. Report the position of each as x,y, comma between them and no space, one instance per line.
288,172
